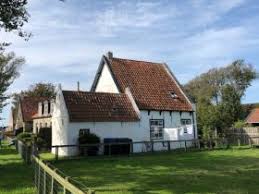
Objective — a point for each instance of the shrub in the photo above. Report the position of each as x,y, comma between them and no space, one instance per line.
89,138
239,124
44,138
26,138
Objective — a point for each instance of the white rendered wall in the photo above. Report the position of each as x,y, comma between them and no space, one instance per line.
60,120
41,123
106,82
137,131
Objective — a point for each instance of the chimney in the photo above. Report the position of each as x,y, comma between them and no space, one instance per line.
59,87
109,55
78,86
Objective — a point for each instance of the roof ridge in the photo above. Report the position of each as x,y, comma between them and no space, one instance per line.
89,92
160,63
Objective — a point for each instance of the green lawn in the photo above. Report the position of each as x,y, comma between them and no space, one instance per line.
223,171
15,176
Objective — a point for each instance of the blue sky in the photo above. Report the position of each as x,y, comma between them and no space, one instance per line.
190,36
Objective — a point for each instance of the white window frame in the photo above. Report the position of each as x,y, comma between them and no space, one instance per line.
156,129
83,131
186,122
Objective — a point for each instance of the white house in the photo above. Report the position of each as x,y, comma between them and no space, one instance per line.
132,99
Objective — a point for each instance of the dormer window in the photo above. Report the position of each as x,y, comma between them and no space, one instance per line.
174,95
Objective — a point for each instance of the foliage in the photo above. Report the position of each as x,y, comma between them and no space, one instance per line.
35,90
9,71
218,94
25,137
217,171
239,124
43,138
40,90
88,138
13,16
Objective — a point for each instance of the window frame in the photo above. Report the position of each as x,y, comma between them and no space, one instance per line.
85,131
185,123
162,130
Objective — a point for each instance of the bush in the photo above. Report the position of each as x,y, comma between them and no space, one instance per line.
89,138
43,139
239,124
26,138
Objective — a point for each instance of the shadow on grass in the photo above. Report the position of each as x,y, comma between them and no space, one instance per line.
200,172
15,176
7,151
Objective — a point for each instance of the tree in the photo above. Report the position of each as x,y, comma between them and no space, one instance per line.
218,94
13,16
35,90
40,90
9,70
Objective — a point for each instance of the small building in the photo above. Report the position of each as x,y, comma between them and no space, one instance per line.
253,117
139,100
26,113
43,117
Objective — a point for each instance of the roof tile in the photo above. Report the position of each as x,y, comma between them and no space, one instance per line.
151,84
253,117
99,107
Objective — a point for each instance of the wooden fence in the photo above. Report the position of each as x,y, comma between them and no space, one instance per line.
246,135
146,146
48,180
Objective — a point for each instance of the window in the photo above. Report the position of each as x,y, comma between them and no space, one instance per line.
186,121
174,95
84,131
185,130
156,129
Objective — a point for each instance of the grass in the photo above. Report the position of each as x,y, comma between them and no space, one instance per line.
15,176
221,171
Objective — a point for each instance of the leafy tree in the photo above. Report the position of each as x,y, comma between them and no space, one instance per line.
218,94
13,16
40,90
230,107
9,70
36,90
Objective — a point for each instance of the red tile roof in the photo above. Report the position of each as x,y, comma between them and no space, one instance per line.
91,106
151,84
29,107
253,117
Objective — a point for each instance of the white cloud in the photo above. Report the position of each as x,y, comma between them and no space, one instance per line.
191,36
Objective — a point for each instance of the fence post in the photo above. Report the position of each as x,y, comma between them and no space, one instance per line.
38,178
131,147
210,144
185,146
249,140
168,146
35,170
238,142
152,146
199,144
52,185
110,149
56,153
44,182
216,143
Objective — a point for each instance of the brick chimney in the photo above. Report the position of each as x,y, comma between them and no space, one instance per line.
109,55
78,86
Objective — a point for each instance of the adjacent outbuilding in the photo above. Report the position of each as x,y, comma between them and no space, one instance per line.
137,100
